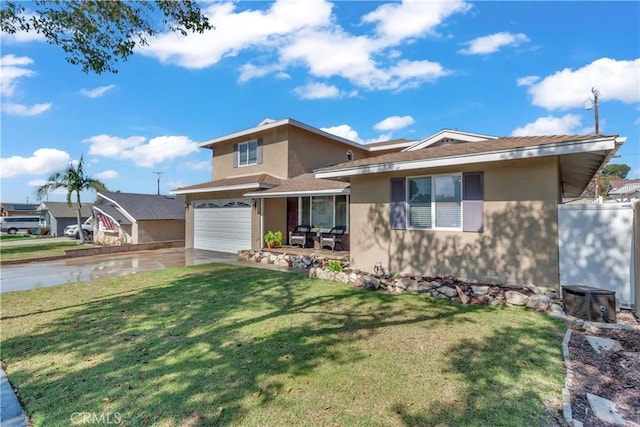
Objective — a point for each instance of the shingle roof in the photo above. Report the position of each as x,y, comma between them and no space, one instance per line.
629,186
391,142
305,183
259,180
63,210
463,148
149,206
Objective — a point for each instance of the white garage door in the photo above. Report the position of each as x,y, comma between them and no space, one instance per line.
222,225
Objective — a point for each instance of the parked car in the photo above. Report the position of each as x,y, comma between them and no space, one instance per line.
87,229
13,224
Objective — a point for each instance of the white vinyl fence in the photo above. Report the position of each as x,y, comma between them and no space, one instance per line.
597,245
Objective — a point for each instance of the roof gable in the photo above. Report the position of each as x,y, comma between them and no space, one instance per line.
448,136
141,207
63,210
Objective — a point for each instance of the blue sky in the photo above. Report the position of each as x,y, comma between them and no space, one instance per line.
368,71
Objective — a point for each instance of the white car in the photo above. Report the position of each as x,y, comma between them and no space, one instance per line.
87,229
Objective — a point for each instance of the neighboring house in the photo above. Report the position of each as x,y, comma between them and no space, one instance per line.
455,203
57,215
624,190
13,209
138,218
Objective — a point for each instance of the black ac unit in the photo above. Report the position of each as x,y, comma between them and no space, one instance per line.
588,303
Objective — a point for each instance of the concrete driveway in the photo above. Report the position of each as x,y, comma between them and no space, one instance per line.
49,273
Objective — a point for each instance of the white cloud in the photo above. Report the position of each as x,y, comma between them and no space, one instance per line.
108,174
24,110
21,36
291,33
344,131
527,81
141,152
97,92
412,18
238,30
566,125
493,43
12,68
317,91
394,123
615,80
43,161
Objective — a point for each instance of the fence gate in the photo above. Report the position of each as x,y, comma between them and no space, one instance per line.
596,248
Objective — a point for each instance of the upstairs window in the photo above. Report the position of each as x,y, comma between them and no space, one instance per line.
248,153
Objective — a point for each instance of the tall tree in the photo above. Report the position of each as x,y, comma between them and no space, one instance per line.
74,180
96,34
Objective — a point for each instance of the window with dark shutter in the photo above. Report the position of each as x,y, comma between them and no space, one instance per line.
259,152
473,202
398,219
235,155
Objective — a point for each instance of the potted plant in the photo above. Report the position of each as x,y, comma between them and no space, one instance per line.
273,239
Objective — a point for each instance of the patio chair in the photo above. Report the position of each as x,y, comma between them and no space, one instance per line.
333,238
298,237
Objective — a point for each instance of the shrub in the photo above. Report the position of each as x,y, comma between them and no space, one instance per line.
335,267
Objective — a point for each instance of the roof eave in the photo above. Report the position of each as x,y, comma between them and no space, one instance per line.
555,149
248,186
303,193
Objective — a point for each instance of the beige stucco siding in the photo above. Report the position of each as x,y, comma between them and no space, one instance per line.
518,245
160,231
309,151
274,156
275,218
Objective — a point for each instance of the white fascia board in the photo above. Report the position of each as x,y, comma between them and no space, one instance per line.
119,208
448,133
495,156
392,146
209,143
298,193
251,185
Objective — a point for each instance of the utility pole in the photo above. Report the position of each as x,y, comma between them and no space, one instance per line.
595,93
158,173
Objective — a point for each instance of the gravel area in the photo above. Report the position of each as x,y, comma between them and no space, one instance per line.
613,375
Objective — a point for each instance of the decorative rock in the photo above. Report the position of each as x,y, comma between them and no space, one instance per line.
556,308
600,344
370,282
538,302
282,263
447,291
480,290
515,298
480,299
463,297
605,410
342,277
312,273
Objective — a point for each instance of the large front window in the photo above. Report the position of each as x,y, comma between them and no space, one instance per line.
324,212
435,202
248,153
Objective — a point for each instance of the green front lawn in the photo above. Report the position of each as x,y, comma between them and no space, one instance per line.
37,250
233,345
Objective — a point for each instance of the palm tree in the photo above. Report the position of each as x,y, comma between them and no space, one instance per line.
74,179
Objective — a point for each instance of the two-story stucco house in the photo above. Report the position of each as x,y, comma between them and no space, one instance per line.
476,206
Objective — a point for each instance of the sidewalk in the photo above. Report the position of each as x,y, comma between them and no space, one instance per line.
11,412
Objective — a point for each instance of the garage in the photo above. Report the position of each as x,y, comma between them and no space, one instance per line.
222,225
